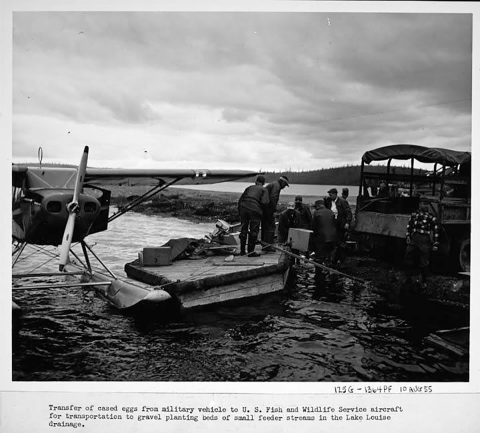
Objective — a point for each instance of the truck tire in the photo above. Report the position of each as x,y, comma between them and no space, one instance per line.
463,252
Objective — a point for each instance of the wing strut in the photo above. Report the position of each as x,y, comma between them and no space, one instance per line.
18,252
139,200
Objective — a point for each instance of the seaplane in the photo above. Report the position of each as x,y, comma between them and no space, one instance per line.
60,206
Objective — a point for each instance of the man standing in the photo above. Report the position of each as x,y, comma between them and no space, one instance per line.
268,221
343,217
288,219
251,206
324,234
382,190
421,227
305,214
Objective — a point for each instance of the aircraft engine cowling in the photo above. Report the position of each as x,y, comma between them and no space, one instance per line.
49,215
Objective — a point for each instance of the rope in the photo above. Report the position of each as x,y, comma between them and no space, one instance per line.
318,265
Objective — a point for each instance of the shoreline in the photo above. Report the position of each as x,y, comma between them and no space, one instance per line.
285,197
202,205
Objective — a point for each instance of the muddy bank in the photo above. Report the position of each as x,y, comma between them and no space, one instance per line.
203,206
446,291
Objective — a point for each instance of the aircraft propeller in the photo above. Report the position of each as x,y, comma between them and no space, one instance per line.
73,208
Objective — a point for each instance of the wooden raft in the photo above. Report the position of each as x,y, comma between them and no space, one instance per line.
455,340
212,280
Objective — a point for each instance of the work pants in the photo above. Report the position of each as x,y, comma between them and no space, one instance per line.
339,250
418,251
268,226
250,226
323,256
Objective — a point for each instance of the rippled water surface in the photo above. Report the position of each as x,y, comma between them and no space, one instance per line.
309,333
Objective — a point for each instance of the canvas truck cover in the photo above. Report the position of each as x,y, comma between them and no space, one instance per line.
420,153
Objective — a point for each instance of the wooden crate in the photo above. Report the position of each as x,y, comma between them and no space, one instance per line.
156,256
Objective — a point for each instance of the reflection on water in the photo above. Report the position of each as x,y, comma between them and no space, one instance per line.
309,333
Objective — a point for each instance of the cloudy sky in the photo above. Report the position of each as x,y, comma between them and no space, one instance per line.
252,90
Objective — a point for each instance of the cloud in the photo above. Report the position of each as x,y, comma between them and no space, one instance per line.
261,89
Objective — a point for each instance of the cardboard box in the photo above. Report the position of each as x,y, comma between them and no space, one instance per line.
156,256
300,239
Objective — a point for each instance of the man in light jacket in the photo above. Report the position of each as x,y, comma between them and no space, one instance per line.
343,217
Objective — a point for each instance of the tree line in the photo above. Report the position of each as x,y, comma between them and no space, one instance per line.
346,175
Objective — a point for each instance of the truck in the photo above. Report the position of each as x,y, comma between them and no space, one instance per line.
396,179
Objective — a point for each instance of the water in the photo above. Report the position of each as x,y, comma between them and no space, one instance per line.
310,193
344,333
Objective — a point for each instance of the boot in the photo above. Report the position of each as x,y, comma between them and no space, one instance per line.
251,249
242,247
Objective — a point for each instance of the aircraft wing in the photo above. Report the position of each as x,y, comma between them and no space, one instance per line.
132,177
63,177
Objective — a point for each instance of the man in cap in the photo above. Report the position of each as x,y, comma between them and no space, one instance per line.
343,216
268,221
251,206
304,211
289,218
324,235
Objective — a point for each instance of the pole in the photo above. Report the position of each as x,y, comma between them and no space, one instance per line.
61,286
46,274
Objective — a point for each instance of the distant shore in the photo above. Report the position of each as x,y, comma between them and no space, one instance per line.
285,197
203,205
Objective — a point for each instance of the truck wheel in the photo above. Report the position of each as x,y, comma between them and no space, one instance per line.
464,253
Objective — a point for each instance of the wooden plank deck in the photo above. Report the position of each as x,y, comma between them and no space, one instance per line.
212,280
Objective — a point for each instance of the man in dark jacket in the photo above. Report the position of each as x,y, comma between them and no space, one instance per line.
304,211
324,230
382,189
251,206
343,216
288,219
268,220
324,235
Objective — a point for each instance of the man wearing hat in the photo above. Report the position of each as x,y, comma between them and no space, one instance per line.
289,218
345,193
251,206
343,215
268,221
304,211
324,235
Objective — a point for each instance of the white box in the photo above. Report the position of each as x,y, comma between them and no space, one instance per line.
300,239
232,239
